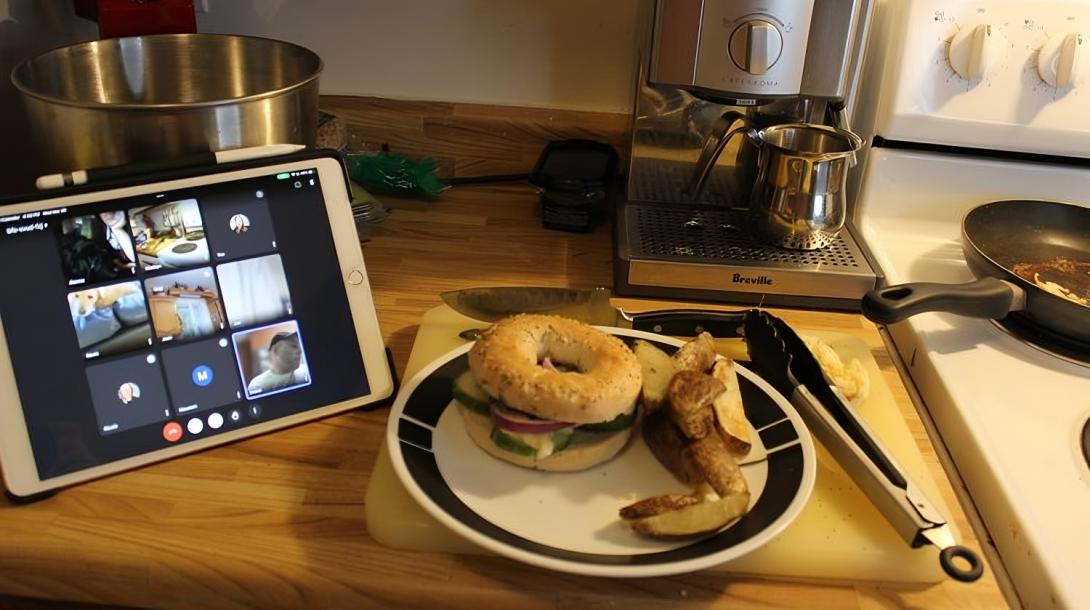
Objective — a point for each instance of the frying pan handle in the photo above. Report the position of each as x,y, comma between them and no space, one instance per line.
985,298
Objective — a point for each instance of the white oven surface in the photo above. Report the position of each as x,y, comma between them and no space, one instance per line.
1009,414
1008,105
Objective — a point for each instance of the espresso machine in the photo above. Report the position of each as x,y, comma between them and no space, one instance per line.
698,219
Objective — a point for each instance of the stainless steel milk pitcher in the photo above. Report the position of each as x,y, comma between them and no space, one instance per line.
798,199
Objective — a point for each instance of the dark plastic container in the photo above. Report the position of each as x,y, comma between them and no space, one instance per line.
573,177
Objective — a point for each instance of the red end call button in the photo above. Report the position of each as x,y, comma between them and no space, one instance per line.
172,431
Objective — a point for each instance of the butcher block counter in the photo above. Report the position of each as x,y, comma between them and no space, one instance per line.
279,521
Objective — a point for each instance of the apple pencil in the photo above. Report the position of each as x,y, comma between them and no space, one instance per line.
98,174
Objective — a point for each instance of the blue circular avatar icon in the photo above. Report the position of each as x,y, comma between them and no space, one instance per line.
202,375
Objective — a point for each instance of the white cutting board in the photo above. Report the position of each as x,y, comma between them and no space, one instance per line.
839,535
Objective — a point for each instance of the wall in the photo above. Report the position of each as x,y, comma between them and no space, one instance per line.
569,54
564,54
28,27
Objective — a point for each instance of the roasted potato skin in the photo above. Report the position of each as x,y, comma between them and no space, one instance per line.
657,505
694,424
669,447
698,354
691,394
717,465
697,519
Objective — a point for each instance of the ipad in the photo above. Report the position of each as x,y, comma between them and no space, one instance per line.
165,315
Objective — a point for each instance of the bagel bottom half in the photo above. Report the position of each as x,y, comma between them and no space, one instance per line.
586,450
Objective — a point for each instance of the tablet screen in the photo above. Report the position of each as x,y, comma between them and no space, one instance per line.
141,323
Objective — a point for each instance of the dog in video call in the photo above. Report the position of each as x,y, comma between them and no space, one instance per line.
86,301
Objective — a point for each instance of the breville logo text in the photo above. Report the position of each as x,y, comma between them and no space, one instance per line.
760,280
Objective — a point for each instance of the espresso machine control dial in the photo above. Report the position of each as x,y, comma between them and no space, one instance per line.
1058,59
755,46
970,50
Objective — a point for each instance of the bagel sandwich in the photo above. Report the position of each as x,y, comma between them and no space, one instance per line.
549,393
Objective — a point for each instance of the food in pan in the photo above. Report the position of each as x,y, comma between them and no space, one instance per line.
1062,277
549,393
696,431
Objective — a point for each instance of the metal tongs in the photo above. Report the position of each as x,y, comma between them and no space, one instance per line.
782,358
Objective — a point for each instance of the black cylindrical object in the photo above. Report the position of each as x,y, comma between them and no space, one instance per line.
573,177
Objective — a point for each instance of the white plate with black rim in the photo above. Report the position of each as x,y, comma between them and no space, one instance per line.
569,521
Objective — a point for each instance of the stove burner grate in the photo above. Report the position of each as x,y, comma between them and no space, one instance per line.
1045,340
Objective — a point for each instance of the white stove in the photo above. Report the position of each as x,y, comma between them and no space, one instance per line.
1010,416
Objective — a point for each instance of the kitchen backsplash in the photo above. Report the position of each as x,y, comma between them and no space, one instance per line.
470,140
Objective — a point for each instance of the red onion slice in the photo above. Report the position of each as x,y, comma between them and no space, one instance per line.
514,422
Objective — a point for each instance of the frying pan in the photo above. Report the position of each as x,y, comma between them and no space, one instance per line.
994,238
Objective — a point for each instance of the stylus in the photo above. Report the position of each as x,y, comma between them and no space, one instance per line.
99,174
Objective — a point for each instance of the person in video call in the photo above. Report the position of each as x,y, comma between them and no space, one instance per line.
239,224
285,365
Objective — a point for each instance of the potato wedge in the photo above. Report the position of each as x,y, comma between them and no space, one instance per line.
730,415
717,465
690,395
697,354
668,445
657,505
658,368
693,520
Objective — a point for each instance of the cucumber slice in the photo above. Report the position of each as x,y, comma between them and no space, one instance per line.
562,438
467,392
620,422
509,443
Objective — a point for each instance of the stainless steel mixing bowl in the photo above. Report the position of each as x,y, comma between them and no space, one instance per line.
110,102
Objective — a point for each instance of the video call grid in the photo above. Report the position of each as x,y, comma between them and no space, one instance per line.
152,279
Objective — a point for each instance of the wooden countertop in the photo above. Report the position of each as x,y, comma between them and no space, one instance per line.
278,521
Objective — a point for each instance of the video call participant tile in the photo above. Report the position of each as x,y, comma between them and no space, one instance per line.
128,393
271,359
239,228
96,248
185,305
254,290
110,319
169,235
201,375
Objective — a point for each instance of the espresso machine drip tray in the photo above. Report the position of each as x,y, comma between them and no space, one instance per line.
709,253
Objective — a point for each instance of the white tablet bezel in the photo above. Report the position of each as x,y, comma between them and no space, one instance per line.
16,457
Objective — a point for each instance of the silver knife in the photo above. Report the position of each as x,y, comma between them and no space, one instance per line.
781,357
591,306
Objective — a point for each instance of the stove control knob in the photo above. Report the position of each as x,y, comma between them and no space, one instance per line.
755,46
1058,60
970,50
